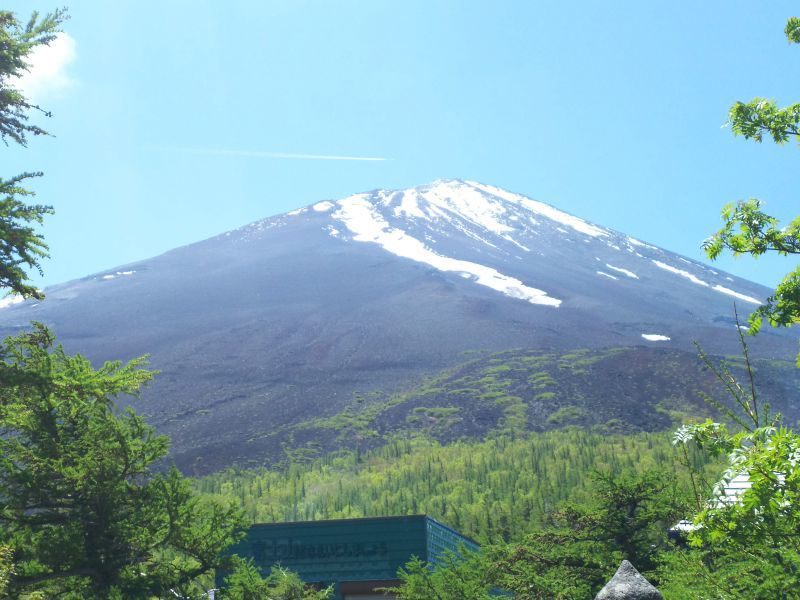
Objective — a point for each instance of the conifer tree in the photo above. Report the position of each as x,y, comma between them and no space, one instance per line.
21,246
81,505
88,507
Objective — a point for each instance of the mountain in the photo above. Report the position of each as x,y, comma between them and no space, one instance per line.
330,309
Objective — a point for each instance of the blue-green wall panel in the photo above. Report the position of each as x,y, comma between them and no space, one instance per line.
348,549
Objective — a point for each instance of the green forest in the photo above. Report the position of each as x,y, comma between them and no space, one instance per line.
495,490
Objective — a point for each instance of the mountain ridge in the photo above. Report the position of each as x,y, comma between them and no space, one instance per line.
290,316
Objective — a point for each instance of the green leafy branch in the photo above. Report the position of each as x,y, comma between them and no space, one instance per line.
749,230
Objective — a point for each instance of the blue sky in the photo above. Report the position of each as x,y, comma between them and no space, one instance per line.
173,118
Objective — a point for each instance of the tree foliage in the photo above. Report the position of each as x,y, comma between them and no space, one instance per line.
246,583
88,508
6,569
21,246
724,574
571,557
745,545
761,117
747,229
583,544
792,30
81,505
455,577
495,490
757,533
17,41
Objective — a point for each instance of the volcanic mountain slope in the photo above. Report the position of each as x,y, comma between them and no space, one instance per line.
283,320
611,390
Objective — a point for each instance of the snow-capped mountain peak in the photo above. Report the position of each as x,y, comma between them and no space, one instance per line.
472,229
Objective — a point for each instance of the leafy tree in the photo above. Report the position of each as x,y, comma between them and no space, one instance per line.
584,544
81,505
21,246
716,573
747,229
752,540
757,533
455,578
552,563
571,558
746,546
246,583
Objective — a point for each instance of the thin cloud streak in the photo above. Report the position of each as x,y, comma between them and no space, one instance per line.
279,155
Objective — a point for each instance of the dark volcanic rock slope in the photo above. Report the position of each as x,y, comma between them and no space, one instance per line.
285,319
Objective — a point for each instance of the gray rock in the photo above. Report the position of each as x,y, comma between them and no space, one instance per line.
628,584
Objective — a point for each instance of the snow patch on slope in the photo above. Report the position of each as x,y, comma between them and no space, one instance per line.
636,242
655,337
730,292
625,272
508,238
117,274
680,272
324,206
367,225
607,275
717,288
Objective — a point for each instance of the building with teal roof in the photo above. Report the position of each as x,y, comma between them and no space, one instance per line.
356,556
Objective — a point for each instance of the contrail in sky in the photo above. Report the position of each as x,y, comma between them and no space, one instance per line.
283,155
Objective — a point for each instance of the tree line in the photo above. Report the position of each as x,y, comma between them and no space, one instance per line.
492,490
